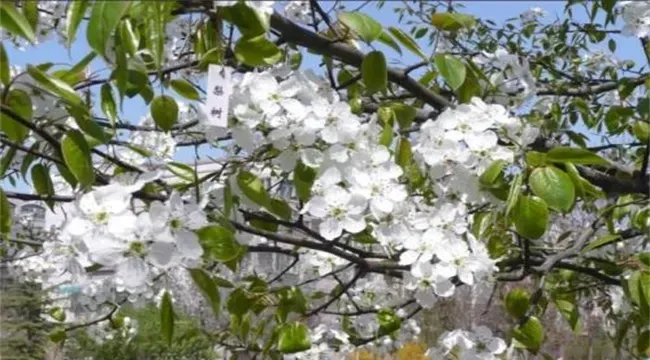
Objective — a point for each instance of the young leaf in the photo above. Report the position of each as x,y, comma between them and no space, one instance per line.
404,154
554,186
407,41
530,216
129,36
20,103
164,111
452,69
303,179
108,103
74,15
531,334
575,155
167,318
15,22
77,73
6,216
387,40
257,51
185,89
514,193
280,208
253,188
42,181
4,66
492,174
55,86
104,17
219,242
294,338
76,155
30,11
373,71
405,114
571,313
208,287
249,21
363,25
452,21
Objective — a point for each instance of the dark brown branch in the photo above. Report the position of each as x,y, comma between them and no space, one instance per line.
349,55
343,290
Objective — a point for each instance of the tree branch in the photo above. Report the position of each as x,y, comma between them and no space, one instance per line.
349,55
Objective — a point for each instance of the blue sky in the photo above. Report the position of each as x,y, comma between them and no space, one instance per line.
498,11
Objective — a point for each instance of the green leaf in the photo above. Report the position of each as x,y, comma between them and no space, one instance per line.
303,179
575,155
404,154
208,287
452,70
554,186
220,243
7,159
600,242
42,181
405,114
573,173
257,51
531,334
108,103
167,318
530,216
213,56
74,15
387,40
15,22
253,188
514,193
104,17
294,338
386,137
89,127
238,302
185,89
470,88
388,321
164,111
407,41
250,22
492,174
57,335
30,10
535,159
5,75
6,217
280,208
642,131
373,72
57,313
77,73
452,21
129,36
155,20
55,86
21,104
517,302
571,313
363,25
76,155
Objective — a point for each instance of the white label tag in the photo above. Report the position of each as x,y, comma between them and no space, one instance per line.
219,90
